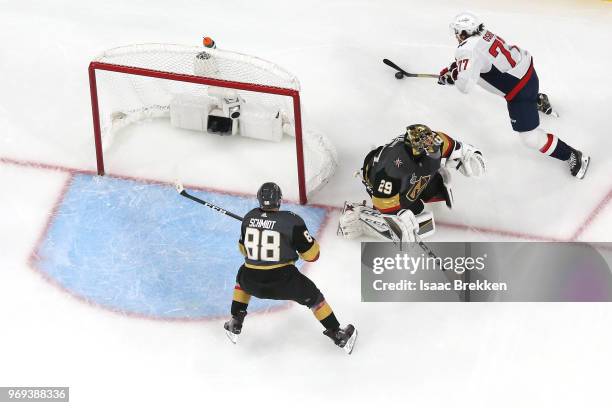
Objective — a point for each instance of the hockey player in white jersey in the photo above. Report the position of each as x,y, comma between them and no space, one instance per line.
485,59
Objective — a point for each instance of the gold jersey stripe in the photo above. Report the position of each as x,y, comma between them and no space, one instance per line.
383,204
242,249
312,253
274,266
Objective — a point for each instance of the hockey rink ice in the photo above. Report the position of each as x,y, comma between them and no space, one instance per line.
171,269
118,287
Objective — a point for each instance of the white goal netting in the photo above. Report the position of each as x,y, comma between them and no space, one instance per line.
125,98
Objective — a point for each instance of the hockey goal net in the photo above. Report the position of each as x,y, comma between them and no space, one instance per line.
138,82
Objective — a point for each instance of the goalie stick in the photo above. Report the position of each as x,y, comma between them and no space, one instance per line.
395,231
181,190
408,74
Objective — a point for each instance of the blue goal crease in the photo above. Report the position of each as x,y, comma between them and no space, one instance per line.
143,249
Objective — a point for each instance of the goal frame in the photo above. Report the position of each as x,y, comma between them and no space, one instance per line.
201,80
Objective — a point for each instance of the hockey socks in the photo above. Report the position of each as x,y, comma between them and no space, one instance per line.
240,301
324,313
547,144
556,148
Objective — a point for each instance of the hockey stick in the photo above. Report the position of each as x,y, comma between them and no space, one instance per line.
428,251
181,190
408,74
397,232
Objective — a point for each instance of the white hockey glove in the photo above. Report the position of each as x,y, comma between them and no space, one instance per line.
468,160
404,225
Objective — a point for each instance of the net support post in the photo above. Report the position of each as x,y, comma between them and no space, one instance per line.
299,148
294,94
95,112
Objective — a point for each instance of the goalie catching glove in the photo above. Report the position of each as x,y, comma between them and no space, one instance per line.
468,160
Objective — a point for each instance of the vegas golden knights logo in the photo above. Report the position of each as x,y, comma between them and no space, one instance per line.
417,187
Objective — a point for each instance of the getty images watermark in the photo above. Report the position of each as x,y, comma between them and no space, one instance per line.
411,264
486,272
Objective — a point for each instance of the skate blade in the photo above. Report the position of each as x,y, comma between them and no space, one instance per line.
232,336
585,166
554,113
348,347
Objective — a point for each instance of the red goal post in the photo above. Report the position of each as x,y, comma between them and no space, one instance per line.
218,80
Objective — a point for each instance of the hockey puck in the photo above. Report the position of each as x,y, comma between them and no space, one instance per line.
399,75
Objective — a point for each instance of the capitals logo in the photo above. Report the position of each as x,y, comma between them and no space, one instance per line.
418,185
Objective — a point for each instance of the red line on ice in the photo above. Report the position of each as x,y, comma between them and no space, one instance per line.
496,231
592,216
73,171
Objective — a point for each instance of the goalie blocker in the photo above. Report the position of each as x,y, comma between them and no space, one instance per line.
401,177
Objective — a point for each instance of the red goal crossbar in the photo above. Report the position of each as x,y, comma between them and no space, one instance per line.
294,94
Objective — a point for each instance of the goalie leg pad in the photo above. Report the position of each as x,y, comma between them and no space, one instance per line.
358,219
406,223
427,225
350,225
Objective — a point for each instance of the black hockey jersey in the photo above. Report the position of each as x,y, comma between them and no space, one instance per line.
271,239
395,179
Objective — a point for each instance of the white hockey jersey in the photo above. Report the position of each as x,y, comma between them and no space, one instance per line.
487,60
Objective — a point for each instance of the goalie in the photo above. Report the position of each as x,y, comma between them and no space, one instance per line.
401,177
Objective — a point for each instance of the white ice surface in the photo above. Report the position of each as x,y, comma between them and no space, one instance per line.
419,354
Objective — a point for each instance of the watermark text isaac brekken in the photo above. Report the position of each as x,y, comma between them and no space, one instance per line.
411,264
424,286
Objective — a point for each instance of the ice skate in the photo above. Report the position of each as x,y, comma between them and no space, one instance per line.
343,337
544,105
579,164
233,327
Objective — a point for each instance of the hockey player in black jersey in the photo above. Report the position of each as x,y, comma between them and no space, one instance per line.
401,177
271,241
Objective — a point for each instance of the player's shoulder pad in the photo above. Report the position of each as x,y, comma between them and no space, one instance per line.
294,216
253,212
467,46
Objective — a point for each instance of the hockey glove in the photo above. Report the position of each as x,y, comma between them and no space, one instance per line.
404,224
448,75
469,161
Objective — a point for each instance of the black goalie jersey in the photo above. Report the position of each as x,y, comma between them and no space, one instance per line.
272,239
396,180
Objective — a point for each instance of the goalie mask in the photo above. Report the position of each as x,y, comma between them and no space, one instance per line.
421,140
269,196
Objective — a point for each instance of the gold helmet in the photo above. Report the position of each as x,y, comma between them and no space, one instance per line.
420,139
